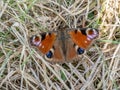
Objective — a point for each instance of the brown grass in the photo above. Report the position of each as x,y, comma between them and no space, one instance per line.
21,67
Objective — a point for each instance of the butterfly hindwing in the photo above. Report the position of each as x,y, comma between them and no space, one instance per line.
56,51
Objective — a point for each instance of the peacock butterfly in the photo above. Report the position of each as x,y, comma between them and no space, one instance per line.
64,45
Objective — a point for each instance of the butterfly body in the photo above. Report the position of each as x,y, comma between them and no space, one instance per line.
64,45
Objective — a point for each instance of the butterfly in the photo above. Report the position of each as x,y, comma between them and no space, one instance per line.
64,45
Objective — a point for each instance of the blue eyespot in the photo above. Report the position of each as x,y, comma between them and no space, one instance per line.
49,54
80,50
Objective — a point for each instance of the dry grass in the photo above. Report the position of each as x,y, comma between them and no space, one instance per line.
21,67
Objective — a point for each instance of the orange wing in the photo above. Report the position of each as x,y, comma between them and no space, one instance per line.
47,41
43,41
83,37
